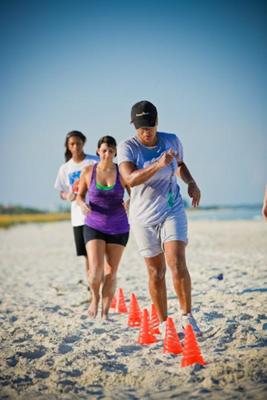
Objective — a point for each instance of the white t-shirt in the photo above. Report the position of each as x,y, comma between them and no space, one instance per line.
67,180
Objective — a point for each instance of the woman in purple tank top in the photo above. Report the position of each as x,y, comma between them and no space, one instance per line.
106,228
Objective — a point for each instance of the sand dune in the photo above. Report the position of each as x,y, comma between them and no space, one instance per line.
50,350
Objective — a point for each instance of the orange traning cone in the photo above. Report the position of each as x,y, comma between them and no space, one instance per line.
134,317
171,343
191,351
113,302
145,337
154,320
121,305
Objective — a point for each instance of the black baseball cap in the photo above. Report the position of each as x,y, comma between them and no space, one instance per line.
144,114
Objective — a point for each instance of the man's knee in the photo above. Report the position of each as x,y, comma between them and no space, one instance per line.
178,267
156,274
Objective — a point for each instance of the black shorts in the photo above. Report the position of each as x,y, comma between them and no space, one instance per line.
91,234
79,240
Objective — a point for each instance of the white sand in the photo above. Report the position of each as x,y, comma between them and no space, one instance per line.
50,350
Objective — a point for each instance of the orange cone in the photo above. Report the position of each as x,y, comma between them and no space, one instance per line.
113,302
121,305
145,337
191,351
154,320
134,317
171,343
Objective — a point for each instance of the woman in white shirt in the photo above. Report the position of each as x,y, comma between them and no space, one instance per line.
67,183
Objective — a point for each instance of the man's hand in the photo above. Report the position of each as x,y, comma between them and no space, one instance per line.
166,158
194,193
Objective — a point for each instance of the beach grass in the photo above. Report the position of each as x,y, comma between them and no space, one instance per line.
7,220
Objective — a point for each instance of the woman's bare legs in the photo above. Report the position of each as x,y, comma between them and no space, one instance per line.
157,285
113,257
96,252
87,274
175,258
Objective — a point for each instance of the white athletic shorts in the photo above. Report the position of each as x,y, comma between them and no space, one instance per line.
150,239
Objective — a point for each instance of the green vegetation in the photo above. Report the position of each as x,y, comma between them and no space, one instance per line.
12,215
6,220
11,210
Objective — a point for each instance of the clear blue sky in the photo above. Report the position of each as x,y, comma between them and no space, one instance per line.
82,64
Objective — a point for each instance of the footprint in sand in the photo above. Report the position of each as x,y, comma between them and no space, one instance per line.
22,380
64,348
75,373
209,316
127,350
52,309
245,317
114,367
11,361
66,383
71,339
42,374
34,354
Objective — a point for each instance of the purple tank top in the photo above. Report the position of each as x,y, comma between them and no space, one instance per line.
108,214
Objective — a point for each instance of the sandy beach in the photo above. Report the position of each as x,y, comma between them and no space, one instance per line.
51,350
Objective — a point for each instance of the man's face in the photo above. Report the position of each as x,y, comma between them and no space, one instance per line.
147,135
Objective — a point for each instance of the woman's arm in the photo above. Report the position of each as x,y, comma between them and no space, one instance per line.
193,190
83,187
70,196
133,176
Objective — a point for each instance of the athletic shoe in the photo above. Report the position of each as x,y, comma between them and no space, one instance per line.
189,319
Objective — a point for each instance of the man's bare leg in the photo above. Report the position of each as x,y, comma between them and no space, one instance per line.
157,285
